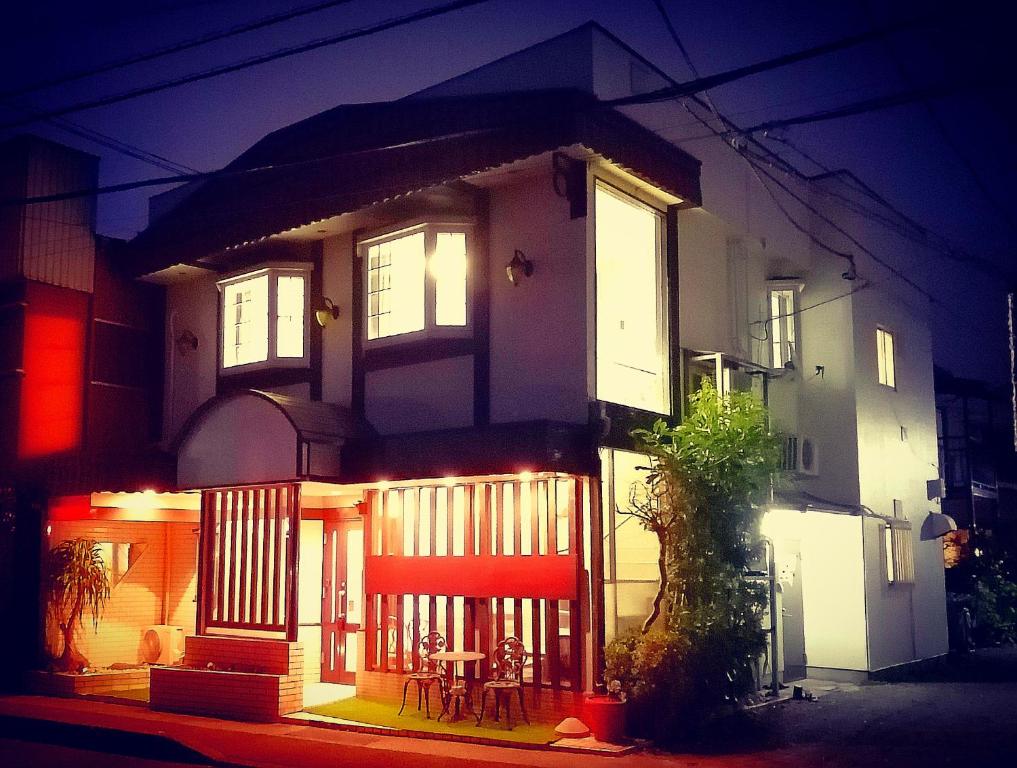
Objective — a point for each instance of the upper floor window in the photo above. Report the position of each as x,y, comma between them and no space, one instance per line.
416,281
264,318
632,344
885,359
783,325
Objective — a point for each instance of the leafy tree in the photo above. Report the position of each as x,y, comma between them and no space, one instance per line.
706,479
76,579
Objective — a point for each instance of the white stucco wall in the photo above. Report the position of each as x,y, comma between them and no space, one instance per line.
189,376
420,397
538,328
337,336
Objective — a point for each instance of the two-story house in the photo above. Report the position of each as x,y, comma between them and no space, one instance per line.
404,344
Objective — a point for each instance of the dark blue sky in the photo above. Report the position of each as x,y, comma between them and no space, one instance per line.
899,152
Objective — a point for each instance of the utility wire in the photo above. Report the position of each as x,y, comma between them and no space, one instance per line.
757,167
867,105
225,172
907,227
944,134
169,50
122,147
722,78
353,34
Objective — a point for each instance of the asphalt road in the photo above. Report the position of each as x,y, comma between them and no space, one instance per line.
29,754
964,714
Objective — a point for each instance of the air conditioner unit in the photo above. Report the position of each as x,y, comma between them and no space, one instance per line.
808,456
163,644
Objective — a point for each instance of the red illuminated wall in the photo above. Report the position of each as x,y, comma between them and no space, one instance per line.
51,413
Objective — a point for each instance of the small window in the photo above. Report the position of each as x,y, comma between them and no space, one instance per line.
899,552
263,318
416,281
783,333
885,359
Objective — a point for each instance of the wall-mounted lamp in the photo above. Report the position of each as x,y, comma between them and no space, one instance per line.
328,312
518,268
186,342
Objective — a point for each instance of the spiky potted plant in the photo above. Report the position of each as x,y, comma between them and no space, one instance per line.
76,580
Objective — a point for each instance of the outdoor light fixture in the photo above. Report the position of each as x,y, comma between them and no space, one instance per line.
518,268
186,342
936,525
328,312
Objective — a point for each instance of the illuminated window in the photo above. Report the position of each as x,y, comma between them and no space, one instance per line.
631,303
263,318
417,281
884,357
783,334
899,552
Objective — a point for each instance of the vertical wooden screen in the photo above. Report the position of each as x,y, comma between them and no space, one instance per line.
249,550
479,562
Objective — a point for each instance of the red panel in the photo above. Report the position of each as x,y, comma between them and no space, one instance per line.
70,508
548,576
52,403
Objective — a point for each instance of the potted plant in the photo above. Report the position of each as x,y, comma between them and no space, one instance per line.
76,578
604,712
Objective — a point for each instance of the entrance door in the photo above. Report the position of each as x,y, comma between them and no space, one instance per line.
793,613
342,598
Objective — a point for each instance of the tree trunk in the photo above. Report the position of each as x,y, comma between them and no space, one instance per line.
661,584
71,660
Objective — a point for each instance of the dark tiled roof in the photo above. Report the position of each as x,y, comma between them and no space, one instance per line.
353,156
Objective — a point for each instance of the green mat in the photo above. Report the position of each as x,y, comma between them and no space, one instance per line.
386,714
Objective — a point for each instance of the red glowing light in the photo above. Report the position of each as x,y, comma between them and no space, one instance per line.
52,394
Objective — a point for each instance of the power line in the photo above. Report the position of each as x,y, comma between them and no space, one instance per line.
225,172
353,34
794,171
122,147
722,78
168,50
990,198
866,105
910,229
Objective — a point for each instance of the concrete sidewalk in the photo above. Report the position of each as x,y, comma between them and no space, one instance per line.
292,746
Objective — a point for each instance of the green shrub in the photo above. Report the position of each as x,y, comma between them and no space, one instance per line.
706,478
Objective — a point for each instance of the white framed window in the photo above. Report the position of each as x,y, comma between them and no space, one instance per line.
899,552
264,319
632,342
783,325
885,359
416,282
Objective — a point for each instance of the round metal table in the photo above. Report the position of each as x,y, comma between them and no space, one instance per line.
459,691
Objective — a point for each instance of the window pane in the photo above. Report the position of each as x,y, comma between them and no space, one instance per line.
884,358
396,286
245,322
630,347
290,316
448,267
782,326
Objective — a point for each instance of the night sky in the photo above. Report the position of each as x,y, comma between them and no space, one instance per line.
901,152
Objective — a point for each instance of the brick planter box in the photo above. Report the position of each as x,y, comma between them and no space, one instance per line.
105,682
251,679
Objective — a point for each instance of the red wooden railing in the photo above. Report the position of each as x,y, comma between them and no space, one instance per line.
478,562
247,565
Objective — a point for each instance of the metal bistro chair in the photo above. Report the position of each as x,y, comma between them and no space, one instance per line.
510,657
428,672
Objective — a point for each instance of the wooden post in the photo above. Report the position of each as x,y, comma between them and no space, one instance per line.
293,565
204,566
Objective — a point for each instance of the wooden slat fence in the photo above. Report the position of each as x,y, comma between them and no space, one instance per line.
247,569
478,562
